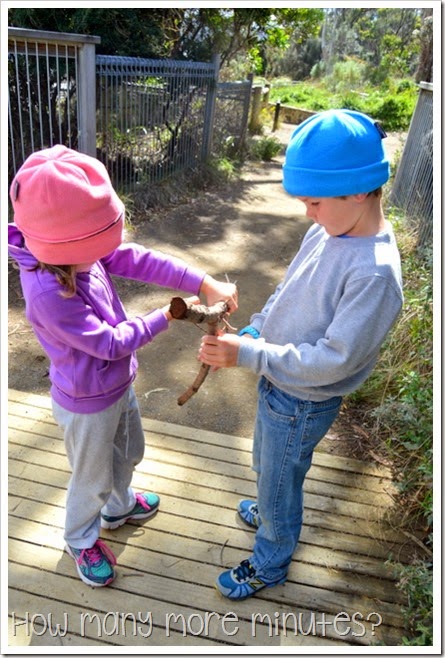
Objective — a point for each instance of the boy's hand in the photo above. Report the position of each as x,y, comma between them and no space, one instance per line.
219,351
217,291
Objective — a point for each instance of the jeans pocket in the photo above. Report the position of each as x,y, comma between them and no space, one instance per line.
318,423
279,405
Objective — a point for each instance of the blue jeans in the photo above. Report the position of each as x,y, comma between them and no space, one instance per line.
286,433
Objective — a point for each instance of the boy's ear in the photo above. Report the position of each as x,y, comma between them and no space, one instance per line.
360,197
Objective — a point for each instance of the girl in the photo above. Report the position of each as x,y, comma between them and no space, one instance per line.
67,239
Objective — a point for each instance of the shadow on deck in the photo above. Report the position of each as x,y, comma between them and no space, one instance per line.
340,591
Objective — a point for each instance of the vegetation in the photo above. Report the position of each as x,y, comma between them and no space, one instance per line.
396,406
392,104
394,42
179,33
265,148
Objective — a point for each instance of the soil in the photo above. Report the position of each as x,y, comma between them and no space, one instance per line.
247,230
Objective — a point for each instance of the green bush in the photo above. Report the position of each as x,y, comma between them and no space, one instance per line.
395,111
392,104
265,148
346,75
416,581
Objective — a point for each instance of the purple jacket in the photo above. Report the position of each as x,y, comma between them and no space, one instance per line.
88,338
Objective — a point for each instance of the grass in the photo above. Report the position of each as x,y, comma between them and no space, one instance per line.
396,405
393,105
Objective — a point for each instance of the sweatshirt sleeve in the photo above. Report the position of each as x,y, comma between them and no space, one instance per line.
78,326
257,319
365,314
134,261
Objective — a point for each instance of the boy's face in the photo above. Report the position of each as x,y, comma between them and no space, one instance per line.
338,215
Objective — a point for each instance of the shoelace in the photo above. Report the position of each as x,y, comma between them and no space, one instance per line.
96,552
244,571
142,502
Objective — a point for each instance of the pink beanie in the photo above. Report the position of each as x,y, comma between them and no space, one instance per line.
66,208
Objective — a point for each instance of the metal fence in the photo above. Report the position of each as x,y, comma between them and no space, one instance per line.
49,92
154,116
233,101
413,185
145,119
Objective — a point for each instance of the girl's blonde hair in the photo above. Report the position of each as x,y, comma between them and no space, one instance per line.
65,275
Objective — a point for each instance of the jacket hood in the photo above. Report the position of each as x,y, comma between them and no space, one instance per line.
17,249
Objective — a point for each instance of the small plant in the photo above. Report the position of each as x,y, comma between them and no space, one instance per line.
221,170
416,581
265,148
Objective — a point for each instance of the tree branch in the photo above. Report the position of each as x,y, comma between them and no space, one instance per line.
198,313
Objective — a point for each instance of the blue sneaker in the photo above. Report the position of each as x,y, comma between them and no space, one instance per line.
248,511
95,564
242,582
146,505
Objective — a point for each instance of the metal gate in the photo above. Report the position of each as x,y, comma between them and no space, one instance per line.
154,116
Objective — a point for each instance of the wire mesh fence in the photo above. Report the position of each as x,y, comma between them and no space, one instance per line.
231,116
153,116
42,110
145,119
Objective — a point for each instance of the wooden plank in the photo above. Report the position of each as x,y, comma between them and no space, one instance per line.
223,478
195,492
178,485
150,592
326,467
209,541
226,515
311,554
179,450
43,404
168,564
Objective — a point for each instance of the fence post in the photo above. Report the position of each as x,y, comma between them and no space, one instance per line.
256,109
87,99
209,113
276,116
246,109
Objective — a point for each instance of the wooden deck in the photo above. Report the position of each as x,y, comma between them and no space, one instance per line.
340,590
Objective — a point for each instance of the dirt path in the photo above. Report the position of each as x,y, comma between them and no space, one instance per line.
249,231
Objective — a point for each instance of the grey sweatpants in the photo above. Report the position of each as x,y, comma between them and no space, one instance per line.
103,449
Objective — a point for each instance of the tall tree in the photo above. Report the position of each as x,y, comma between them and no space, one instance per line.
424,71
179,33
371,35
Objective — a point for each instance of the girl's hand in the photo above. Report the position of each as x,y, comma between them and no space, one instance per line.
219,351
217,291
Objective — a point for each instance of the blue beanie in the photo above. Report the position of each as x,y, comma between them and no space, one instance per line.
335,153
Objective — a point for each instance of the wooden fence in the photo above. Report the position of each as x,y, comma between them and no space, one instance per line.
413,185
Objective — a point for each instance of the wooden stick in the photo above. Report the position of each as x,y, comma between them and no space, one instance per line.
197,313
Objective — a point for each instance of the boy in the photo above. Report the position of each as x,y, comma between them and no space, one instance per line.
318,336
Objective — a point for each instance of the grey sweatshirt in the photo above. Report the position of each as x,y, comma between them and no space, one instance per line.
322,328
